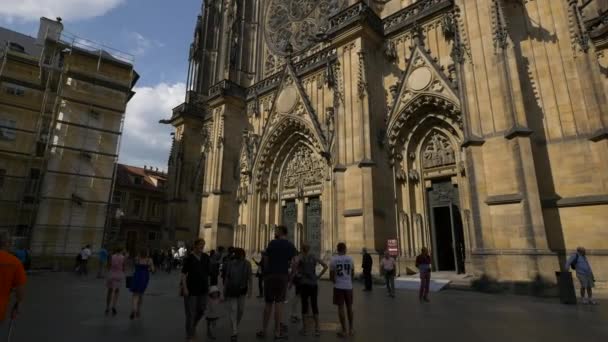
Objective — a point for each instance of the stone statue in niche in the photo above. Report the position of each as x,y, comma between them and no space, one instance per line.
329,121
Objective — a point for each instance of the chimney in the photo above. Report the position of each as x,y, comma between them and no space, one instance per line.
145,167
49,29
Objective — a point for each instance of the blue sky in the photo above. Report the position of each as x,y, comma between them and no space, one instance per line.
157,32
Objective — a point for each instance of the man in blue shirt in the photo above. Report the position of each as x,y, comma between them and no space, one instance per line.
276,277
579,262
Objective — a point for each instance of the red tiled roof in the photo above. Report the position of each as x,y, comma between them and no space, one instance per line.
126,174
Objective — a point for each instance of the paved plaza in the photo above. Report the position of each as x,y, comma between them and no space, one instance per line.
62,307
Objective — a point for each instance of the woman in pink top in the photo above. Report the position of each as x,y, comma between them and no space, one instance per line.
388,269
116,276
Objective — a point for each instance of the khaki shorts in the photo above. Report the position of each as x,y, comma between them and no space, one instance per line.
586,281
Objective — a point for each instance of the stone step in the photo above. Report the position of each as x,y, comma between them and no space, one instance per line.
411,283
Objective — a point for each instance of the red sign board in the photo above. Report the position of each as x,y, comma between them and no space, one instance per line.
392,247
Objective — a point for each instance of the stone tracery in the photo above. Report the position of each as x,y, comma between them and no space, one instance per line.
296,22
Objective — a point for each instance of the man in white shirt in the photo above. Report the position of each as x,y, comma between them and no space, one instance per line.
85,253
341,274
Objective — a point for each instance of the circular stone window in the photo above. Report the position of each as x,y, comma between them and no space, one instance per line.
297,22
288,98
420,79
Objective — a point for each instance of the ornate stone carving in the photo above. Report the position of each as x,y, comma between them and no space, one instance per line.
330,122
578,31
390,51
437,152
499,23
295,23
362,81
413,176
207,137
401,175
304,168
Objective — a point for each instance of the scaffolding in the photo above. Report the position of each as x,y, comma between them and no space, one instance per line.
77,145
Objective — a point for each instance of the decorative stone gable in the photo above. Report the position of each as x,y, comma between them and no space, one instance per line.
422,77
291,102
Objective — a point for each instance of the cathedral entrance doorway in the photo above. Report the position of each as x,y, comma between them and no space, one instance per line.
290,218
446,227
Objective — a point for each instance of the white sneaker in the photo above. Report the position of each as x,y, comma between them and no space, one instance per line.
592,302
585,301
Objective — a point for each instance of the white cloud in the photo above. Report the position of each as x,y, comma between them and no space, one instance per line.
68,9
140,44
145,141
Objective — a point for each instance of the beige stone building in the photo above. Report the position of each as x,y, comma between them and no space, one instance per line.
477,128
62,104
138,209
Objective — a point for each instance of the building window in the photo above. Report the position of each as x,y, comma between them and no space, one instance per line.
136,207
2,176
151,236
55,144
16,47
155,209
14,89
117,198
138,180
7,129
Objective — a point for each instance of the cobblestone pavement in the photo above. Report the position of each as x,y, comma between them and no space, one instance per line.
62,307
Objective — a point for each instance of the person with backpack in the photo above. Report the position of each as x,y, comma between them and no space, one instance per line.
238,284
309,289
580,264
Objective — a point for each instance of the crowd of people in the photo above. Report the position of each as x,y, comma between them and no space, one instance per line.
217,284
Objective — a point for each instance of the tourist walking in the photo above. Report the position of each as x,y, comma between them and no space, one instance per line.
293,290
260,274
239,283
341,274
139,283
276,266
584,273
194,286
168,261
309,289
388,269
367,270
21,254
102,255
85,254
12,278
423,263
215,262
115,279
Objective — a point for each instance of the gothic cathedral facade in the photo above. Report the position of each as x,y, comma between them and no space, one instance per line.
477,128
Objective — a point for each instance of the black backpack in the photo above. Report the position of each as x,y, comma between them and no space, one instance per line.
574,262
